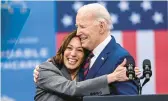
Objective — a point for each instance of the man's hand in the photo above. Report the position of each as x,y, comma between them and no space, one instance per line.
36,73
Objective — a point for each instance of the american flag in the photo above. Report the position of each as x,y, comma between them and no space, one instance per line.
139,26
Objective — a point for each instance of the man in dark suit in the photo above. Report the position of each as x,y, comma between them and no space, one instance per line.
94,23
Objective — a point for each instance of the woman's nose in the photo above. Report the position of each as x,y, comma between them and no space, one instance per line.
73,52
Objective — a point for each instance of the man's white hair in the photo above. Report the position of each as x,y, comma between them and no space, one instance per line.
100,11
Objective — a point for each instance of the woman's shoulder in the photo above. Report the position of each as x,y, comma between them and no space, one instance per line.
49,65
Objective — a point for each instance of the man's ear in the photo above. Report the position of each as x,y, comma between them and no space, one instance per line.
102,27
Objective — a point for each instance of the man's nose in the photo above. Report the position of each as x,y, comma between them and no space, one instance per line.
78,32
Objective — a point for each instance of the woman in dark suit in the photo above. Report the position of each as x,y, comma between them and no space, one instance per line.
57,79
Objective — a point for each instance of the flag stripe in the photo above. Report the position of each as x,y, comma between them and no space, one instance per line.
145,50
129,42
161,42
118,36
59,39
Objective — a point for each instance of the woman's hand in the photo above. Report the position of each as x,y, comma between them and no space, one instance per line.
119,73
36,73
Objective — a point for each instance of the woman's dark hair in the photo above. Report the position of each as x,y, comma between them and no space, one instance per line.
58,59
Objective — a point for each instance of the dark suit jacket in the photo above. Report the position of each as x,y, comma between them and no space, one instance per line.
107,61
54,84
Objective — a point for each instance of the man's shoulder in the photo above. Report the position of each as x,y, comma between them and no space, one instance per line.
116,47
120,49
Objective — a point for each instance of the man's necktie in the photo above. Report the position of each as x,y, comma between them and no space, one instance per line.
87,63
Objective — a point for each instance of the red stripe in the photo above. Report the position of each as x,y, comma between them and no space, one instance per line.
129,42
161,58
60,37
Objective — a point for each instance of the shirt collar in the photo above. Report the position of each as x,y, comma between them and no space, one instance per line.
101,46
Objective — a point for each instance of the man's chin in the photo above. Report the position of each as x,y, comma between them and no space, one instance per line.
85,46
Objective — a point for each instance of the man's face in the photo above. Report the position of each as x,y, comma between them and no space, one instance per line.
88,30
73,54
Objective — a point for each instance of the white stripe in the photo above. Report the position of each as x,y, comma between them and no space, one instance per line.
118,36
146,50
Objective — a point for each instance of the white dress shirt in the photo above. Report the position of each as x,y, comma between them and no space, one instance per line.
99,49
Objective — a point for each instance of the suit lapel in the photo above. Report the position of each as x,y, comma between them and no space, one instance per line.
97,65
101,59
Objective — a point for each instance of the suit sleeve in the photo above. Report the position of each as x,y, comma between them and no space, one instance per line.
51,79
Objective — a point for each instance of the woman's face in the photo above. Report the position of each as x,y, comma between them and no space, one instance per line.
73,54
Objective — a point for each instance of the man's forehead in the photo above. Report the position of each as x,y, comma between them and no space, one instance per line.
81,22
84,17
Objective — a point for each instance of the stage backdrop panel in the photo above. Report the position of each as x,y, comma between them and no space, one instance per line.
28,38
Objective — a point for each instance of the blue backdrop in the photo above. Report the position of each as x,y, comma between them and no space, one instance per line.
28,38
